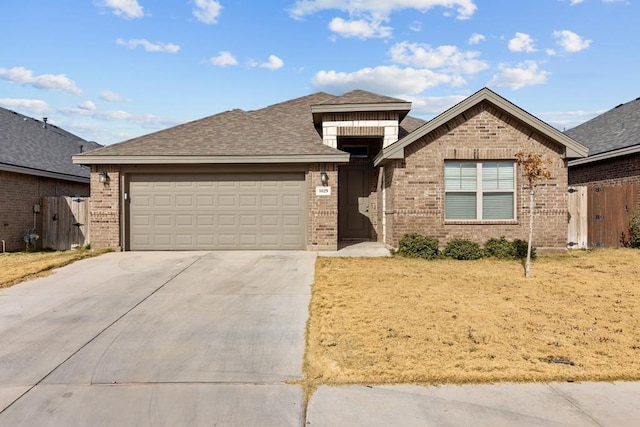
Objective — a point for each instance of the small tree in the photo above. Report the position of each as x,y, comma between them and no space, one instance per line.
535,170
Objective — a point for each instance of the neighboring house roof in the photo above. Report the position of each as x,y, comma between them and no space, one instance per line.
280,133
611,134
573,149
33,147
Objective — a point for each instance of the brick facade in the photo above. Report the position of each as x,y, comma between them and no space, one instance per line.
322,222
104,208
617,171
414,187
19,193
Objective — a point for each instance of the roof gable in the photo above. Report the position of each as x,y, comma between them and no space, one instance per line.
358,101
573,149
34,147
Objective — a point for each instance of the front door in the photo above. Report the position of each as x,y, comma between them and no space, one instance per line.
353,202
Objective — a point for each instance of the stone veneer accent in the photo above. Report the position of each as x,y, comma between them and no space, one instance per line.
415,185
373,124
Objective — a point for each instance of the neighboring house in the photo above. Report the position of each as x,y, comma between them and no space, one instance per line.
316,171
611,172
35,162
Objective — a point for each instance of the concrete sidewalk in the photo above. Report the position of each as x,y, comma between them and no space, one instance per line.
556,404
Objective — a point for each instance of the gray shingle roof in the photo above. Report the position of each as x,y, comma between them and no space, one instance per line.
361,97
27,145
283,129
617,128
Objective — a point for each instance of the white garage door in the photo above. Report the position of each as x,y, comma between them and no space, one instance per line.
217,211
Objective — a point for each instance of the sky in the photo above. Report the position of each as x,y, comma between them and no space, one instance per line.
111,70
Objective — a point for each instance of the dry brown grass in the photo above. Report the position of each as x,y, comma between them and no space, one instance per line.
400,320
20,266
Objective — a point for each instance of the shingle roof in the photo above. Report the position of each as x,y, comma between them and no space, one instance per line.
361,97
28,146
617,128
281,129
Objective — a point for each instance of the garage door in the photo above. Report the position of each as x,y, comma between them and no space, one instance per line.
217,211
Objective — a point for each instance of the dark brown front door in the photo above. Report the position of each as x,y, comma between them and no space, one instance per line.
353,202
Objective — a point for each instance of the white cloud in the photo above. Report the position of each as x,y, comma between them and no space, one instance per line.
570,41
87,105
383,79
149,121
223,59
476,38
416,26
380,8
207,11
444,58
360,28
34,106
127,8
366,16
25,77
273,63
521,43
107,95
148,46
575,2
524,74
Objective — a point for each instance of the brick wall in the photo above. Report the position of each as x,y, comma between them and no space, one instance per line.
481,133
322,222
618,171
18,194
104,208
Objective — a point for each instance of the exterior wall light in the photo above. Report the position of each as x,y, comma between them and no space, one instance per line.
103,178
324,178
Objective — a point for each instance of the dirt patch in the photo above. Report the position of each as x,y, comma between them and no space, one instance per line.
400,320
20,266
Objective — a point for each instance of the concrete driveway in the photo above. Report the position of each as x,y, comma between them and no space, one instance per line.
157,338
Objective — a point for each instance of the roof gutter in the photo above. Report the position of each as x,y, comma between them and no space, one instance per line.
606,156
43,173
176,160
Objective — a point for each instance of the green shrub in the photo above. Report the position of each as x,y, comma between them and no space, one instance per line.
415,245
520,249
463,250
634,232
499,248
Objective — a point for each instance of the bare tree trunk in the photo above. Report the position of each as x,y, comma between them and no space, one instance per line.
527,267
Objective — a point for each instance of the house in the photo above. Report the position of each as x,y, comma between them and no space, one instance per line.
316,171
35,162
611,172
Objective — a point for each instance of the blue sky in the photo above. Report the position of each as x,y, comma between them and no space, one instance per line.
110,70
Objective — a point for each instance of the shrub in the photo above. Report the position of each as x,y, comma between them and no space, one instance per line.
500,248
520,249
463,250
417,246
634,232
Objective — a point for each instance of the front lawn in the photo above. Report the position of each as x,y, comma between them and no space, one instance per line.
398,320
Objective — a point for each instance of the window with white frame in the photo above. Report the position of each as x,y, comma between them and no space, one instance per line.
479,190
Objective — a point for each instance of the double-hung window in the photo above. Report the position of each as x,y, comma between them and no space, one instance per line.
479,190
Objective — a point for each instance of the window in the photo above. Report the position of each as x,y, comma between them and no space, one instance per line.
479,190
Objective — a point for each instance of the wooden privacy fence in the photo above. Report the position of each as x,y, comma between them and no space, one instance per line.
65,222
599,215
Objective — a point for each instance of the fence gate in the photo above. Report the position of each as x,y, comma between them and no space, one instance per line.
577,236
65,222
610,210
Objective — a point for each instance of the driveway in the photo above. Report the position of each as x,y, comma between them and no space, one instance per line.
157,338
